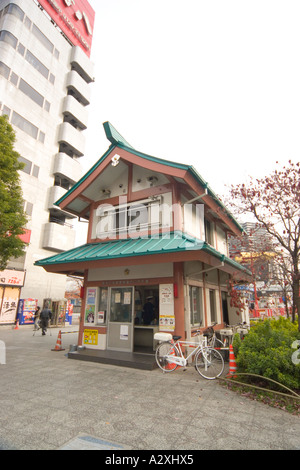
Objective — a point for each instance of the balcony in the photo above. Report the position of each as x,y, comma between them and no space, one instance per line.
72,139
82,64
58,237
68,168
78,88
75,112
56,192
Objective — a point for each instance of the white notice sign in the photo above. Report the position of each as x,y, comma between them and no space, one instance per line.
124,332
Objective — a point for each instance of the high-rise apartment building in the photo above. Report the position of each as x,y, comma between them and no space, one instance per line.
45,77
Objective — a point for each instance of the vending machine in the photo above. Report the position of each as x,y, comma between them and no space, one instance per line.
26,310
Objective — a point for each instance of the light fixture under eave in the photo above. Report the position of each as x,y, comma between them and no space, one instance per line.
115,160
106,192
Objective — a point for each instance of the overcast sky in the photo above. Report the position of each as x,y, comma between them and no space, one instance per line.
214,84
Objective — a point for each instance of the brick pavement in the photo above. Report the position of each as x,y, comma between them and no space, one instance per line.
50,402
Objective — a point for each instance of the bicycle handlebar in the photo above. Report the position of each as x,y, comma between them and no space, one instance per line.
196,333
244,324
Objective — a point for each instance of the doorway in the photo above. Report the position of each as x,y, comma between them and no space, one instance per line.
129,329
146,318
225,308
120,321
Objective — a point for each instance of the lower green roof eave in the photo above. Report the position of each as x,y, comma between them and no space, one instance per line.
118,249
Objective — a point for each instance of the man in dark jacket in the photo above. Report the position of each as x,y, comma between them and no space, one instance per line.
45,316
148,311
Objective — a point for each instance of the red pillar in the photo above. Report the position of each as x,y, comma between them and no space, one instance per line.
179,300
82,311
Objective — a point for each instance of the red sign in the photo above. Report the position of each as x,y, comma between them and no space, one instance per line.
25,237
75,18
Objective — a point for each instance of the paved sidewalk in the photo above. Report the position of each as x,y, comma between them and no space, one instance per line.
51,402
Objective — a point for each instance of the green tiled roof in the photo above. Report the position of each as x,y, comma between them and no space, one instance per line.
114,136
166,243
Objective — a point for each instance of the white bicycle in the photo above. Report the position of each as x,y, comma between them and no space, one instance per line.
209,362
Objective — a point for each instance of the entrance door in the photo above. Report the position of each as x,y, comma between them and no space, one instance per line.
120,330
225,308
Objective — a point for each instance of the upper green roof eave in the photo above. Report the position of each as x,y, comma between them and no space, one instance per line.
114,136
118,141
85,176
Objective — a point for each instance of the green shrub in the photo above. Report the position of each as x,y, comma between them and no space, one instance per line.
236,344
267,351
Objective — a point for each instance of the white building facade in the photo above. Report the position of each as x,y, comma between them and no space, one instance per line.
45,88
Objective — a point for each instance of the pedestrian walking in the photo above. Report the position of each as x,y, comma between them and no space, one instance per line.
37,318
45,316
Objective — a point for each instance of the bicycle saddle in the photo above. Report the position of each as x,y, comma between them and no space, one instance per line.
176,338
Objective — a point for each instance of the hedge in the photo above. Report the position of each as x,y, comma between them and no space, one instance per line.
267,350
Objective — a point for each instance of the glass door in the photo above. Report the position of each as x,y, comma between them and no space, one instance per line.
120,324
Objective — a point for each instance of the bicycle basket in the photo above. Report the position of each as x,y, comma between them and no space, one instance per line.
163,336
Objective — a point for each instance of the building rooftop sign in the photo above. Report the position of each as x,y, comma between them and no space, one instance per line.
75,18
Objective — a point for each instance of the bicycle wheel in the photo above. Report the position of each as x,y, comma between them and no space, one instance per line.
164,349
222,348
209,363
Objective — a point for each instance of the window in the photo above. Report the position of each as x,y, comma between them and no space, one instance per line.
4,70
47,106
121,304
21,49
28,208
16,11
9,38
131,219
37,64
196,305
102,310
24,125
209,238
28,165
28,23
42,136
35,171
31,93
42,38
213,309
14,78
6,111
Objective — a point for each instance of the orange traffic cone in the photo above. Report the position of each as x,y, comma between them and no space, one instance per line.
232,363
58,343
17,325
171,353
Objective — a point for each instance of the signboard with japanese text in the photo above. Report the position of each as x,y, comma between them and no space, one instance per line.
9,305
75,18
90,337
166,307
10,277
